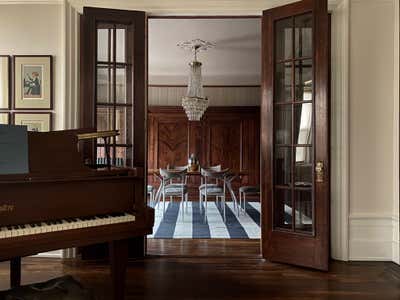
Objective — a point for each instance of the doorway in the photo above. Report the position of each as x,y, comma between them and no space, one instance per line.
227,134
278,239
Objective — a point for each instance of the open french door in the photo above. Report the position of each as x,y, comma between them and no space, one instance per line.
295,135
113,89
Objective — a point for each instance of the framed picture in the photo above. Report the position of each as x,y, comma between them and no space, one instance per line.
4,82
4,118
40,121
33,82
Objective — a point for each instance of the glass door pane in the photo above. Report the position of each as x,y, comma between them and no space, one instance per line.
293,113
114,101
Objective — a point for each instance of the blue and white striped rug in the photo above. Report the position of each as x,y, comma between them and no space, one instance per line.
192,224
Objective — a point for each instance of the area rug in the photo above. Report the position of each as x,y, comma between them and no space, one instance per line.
63,288
192,224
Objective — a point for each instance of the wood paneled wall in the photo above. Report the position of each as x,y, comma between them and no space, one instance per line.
229,136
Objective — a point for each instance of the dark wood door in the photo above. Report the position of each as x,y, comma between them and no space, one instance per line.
294,135
113,92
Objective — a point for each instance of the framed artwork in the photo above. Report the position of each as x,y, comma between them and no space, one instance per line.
4,118
40,121
33,82
4,82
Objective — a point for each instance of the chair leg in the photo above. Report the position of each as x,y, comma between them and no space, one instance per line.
186,200
200,201
205,208
244,200
223,203
240,203
163,203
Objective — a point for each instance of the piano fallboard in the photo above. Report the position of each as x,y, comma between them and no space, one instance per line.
24,202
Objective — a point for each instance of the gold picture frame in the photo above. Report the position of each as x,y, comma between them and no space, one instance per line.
35,121
33,82
4,82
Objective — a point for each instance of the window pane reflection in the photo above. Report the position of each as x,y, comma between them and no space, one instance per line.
283,208
303,115
283,82
303,35
283,166
304,210
283,124
284,39
304,77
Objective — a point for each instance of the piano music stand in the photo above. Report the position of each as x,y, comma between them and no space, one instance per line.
106,136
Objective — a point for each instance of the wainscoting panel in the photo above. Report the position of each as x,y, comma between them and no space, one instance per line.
218,95
229,136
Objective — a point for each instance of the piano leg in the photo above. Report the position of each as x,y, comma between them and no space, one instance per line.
118,261
15,272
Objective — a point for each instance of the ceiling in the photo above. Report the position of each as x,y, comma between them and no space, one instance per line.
235,60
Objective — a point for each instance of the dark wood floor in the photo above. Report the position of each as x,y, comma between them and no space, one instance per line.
222,269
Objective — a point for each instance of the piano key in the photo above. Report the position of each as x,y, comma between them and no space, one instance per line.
64,224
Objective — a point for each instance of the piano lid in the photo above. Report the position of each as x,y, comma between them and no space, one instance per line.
55,152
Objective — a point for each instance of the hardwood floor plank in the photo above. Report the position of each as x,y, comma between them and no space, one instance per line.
220,269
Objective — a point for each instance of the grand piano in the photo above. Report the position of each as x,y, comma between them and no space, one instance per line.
62,203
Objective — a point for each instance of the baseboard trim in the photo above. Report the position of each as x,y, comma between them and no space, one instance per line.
51,254
373,238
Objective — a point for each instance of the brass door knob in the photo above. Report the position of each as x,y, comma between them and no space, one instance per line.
319,172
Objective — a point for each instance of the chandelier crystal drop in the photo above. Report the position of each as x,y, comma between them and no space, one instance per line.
195,103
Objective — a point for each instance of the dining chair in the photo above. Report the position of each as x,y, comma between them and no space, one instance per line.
216,168
246,191
171,189
213,189
176,168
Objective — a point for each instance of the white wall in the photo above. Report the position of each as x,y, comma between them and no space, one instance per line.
373,129
36,29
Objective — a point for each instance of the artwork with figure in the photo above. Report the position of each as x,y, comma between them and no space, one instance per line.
32,81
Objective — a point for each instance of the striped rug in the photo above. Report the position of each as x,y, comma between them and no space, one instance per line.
191,224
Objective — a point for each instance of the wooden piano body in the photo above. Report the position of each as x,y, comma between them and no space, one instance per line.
60,187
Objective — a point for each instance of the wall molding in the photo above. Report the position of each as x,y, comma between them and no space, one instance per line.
372,237
396,135
340,151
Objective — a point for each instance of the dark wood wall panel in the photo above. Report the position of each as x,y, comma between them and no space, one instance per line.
229,136
172,141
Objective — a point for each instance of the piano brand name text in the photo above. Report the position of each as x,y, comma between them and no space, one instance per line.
5,208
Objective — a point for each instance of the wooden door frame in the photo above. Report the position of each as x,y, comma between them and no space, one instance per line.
338,119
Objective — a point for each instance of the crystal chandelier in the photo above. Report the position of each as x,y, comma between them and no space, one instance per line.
195,103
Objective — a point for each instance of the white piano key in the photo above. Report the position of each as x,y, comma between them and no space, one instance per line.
64,224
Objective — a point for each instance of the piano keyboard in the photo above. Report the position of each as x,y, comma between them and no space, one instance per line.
64,224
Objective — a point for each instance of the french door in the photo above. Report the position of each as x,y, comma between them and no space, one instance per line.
295,135
113,91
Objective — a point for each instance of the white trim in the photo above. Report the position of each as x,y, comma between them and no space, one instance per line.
340,150
50,254
396,133
371,237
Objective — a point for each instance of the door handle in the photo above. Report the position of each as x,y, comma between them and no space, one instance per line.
319,172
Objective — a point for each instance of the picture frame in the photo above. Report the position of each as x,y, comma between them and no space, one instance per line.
35,121
33,82
5,91
4,118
